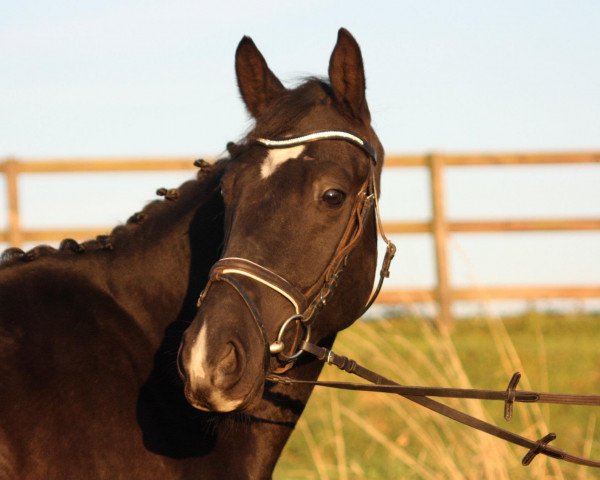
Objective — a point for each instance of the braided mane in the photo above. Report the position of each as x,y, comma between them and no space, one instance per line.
15,256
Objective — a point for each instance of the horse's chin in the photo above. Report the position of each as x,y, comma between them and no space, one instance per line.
215,401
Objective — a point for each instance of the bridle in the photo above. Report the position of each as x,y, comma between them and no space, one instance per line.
307,306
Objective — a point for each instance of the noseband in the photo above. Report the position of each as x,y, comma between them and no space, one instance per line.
307,305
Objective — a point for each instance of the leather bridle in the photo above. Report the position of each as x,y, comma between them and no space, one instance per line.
307,306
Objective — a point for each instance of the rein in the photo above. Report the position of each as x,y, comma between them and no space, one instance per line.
306,307
420,395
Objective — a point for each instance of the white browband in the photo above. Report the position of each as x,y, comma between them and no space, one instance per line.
321,135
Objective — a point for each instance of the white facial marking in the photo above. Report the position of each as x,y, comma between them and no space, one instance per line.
198,355
277,156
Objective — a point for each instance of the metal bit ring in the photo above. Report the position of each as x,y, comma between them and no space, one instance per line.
277,347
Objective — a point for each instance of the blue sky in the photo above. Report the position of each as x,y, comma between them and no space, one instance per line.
156,78
132,77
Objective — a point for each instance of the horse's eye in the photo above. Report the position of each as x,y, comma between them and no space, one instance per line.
333,197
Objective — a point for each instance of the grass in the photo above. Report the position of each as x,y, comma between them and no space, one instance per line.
351,435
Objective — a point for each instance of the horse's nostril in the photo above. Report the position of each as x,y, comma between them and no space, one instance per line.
229,360
229,366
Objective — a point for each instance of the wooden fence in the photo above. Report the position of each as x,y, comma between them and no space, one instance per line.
439,226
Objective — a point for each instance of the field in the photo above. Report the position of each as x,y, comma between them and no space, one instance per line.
351,435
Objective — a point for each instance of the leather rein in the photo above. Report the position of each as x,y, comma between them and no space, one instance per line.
307,306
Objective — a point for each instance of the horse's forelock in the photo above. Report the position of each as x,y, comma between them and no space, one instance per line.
292,107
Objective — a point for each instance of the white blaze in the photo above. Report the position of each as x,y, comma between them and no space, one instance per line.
198,356
277,156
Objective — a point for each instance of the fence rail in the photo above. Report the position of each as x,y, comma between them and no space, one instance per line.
439,226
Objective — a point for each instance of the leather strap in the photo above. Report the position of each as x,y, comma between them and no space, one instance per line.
254,312
345,135
327,283
420,395
247,268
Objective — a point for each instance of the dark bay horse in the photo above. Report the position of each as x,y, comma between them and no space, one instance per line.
297,213
90,376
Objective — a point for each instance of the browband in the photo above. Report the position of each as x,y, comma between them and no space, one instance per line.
321,135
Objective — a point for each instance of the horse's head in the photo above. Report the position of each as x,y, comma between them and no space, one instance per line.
298,194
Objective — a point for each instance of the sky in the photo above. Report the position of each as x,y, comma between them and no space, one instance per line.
133,78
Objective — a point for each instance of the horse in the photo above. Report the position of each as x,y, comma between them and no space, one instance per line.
108,368
299,198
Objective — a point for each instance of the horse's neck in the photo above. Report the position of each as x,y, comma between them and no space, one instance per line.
150,287
159,268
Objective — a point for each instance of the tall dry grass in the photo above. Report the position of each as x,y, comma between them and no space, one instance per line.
350,435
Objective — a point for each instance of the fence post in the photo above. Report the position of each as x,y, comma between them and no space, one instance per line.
439,227
12,192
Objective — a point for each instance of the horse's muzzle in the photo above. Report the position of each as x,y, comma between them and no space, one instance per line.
222,368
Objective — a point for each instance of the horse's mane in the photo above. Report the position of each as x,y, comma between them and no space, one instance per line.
16,256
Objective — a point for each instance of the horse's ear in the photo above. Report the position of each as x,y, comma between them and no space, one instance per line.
347,76
257,83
